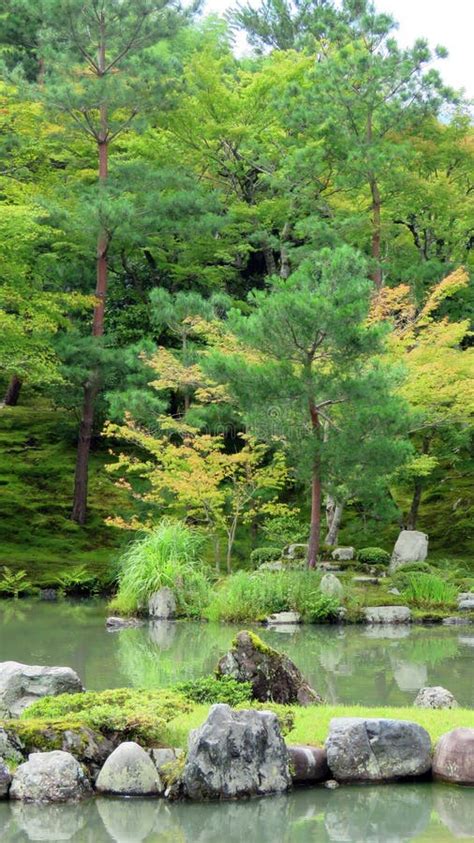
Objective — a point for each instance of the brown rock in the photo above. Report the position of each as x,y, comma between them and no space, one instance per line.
308,763
454,757
273,675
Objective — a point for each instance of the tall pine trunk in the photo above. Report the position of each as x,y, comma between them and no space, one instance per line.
13,391
315,526
92,387
377,276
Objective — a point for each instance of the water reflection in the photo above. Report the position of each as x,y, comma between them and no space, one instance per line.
391,813
372,666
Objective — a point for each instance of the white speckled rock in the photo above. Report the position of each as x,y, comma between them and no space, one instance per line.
435,697
387,614
129,771
236,754
284,618
378,749
50,777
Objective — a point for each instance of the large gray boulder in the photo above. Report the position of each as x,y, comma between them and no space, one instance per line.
273,675
363,749
236,754
435,697
331,586
5,780
387,614
23,684
308,763
50,777
162,605
283,618
129,771
453,759
411,546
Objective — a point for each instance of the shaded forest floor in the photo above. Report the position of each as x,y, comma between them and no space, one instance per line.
37,458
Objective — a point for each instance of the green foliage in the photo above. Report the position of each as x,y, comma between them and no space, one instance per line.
212,690
244,596
265,554
168,556
427,591
414,568
14,582
284,529
138,715
373,556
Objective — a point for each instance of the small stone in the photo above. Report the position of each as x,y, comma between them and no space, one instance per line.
114,623
48,595
466,605
411,546
331,586
394,591
454,621
307,763
129,771
366,580
162,605
236,754
50,777
378,749
331,784
435,697
453,759
387,614
284,618
343,554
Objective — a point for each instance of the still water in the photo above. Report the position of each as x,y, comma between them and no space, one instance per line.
370,666
377,666
386,814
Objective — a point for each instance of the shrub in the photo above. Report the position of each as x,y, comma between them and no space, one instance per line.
265,554
285,529
415,568
373,556
428,590
244,596
168,556
211,689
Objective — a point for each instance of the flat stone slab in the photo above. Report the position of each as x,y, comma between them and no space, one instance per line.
387,614
455,621
284,618
115,623
366,580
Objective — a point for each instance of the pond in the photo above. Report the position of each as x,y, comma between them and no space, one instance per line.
384,814
370,666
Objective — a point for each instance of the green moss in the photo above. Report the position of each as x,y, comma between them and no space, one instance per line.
257,643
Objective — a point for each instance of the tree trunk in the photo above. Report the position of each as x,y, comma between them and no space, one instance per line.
315,528
79,510
415,505
334,512
13,391
270,263
377,276
285,268
314,535
91,389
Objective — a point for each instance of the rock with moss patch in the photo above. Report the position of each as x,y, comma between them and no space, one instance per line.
331,586
236,754
23,684
343,554
50,777
129,771
272,675
11,747
435,697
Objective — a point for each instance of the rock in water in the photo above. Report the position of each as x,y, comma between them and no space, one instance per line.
360,749
162,605
236,754
5,779
308,763
453,759
23,684
331,586
283,618
129,771
50,777
387,614
436,697
411,546
273,675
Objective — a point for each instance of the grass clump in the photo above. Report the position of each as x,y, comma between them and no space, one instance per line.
243,597
210,689
167,556
426,591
